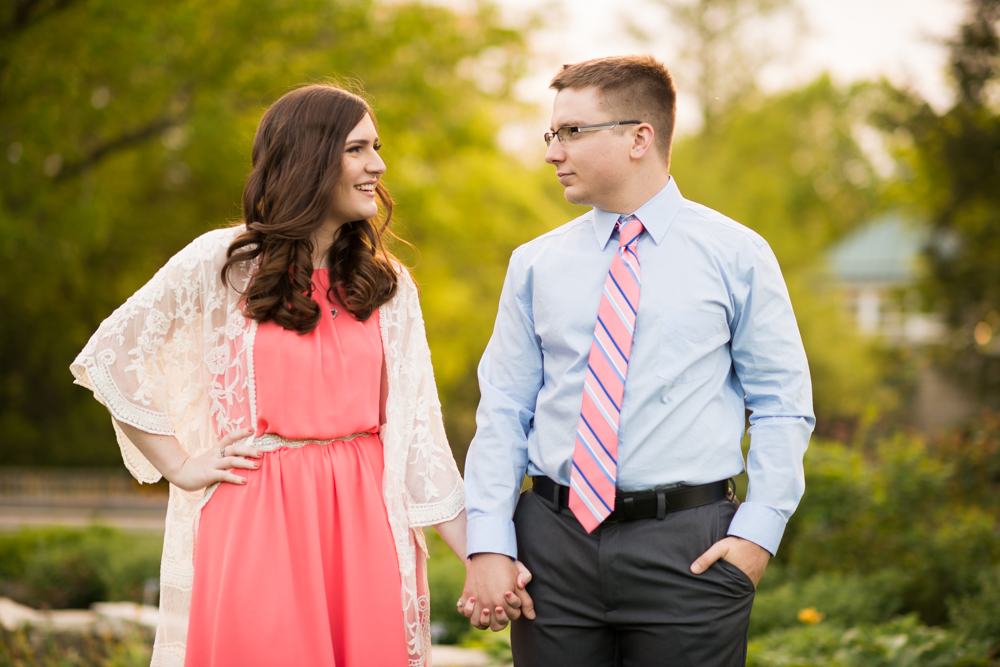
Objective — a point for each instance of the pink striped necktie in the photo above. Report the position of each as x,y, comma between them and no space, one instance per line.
595,455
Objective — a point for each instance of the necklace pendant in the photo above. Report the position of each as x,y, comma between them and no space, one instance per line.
333,311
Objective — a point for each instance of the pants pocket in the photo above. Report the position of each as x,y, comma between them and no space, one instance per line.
738,575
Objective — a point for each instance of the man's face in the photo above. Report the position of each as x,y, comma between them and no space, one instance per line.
592,166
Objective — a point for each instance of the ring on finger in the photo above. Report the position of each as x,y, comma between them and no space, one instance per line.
222,452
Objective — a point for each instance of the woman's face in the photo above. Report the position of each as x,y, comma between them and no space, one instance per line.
362,167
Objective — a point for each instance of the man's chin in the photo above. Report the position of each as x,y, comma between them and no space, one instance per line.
575,195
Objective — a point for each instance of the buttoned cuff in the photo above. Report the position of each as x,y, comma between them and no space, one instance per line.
760,524
488,533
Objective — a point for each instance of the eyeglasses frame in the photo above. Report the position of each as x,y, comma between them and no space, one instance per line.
577,129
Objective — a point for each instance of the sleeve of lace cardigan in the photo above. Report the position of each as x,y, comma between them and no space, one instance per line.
148,343
435,487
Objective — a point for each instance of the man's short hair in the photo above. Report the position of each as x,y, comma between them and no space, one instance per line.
633,87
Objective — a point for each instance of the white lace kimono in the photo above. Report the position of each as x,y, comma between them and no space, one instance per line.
177,359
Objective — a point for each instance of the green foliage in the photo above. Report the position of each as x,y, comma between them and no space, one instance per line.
467,230
17,649
790,168
132,131
446,578
73,568
844,599
900,643
494,644
127,132
906,507
975,616
949,171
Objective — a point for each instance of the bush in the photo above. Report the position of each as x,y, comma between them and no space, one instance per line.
976,617
903,642
446,577
906,506
75,567
842,599
494,644
74,650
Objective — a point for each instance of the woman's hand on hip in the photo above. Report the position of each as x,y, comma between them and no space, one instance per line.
217,463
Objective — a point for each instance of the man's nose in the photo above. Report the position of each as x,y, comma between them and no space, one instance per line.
554,153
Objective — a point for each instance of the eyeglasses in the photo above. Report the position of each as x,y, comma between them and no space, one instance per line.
563,134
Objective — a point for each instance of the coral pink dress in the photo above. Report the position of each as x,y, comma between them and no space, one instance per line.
298,566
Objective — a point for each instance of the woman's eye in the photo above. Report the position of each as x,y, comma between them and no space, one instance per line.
377,146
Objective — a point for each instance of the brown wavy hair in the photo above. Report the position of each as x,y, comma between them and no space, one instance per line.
297,161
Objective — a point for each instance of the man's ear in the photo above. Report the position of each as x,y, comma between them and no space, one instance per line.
642,141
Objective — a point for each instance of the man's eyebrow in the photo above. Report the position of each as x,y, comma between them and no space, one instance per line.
569,123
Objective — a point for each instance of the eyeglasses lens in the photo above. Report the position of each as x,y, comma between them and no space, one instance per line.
564,134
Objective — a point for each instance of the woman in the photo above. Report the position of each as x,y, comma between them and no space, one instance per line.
278,375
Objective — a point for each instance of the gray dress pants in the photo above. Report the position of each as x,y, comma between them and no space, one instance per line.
625,595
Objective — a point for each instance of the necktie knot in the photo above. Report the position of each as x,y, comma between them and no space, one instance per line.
629,228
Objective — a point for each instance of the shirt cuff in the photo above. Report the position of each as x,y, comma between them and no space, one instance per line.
488,533
759,524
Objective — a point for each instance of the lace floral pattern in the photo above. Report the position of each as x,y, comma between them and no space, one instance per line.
177,358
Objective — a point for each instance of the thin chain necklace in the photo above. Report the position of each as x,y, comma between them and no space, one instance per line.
333,311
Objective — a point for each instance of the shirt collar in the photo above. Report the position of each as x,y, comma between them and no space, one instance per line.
655,215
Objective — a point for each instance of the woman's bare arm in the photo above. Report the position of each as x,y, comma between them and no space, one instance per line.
196,472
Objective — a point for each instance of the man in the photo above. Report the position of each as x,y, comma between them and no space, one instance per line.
628,345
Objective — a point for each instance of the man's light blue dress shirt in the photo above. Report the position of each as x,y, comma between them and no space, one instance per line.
715,336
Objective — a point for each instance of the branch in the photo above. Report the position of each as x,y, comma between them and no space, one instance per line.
27,12
127,140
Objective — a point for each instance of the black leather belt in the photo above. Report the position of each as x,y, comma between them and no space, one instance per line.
642,504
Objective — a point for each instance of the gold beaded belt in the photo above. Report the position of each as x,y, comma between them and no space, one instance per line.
269,442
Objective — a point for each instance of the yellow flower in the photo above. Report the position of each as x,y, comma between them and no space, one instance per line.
810,615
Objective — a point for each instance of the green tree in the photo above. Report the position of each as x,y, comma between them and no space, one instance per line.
950,168
721,48
789,167
127,129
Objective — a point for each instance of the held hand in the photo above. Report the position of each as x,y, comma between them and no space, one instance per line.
523,579
744,554
215,465
498,584
467,603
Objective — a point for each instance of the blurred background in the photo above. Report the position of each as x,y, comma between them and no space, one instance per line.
861,139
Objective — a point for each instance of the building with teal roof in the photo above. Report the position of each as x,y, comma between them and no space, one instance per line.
878,266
